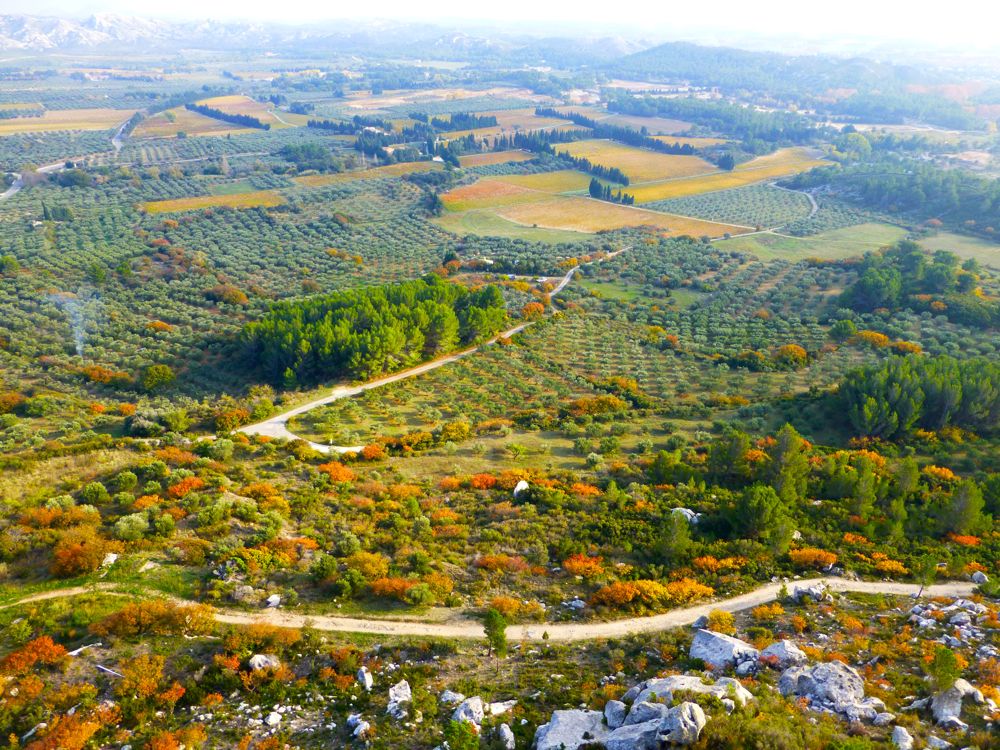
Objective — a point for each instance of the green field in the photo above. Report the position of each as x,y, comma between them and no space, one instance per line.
964,246
839,243
486,223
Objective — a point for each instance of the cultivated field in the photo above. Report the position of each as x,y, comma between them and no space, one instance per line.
494,157
779,164
590,215
512,120
655,125
562,181
256,199
391,170
236,104
167,124
486,223
488,194
66,119
639,164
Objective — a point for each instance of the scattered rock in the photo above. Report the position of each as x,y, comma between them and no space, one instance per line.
109,559
980,577
644,712
661,689
684,723
783,654
506,737
273,719
902,739
644,736
362,729
471,710
700,623
500,707
273,600
721,651
521,487
817,592
831,685
259,662
451,697
614,713
884,719
400,697
244,594
946,706
364,678
569,730
689,515
936,743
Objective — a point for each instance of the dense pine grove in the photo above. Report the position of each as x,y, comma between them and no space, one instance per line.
892,398
368,332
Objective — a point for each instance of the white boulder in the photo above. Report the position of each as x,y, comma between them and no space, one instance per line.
273,719
506,737
471,710
364,678
783,654
684,723
661,689
902,739
831,684
614,713
946,706
260,662
400,697
721,651
570,730
980,577
451,697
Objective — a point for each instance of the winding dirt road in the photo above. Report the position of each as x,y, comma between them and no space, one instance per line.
277,426
468,628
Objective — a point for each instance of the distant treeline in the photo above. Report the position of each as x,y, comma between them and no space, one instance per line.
246,121
11,114
352,126
628,136
367,332
896,108
960,198
464,121
759,131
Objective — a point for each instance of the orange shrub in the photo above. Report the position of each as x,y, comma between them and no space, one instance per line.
450,484
506,563
582,565
392,588
42,650
873,339
939,473
176,456
811,557
337,471
374,452
508,606
533,310
482,481
186,486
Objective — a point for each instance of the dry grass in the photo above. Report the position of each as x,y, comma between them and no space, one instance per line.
494,157
588,215
563,181
162,126
639,164
67,119
391,170
779,164
26,484
511,120
237,104
259,198
655,125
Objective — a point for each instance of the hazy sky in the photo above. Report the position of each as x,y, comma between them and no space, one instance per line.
969,21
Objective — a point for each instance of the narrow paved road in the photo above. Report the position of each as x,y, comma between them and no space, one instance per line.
465,627
277,426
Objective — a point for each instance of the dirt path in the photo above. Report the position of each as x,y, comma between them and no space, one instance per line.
465,627
277,426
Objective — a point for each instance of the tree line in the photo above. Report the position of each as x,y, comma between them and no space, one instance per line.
367,332
892,398
759,131
626,135
350,127
247,121
604,193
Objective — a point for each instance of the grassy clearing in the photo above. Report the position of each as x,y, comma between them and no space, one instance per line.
167,124
838,243
615,290
494,157
258,198
589,215
67,119
485,223
639,164
237,104
563,181
984,251
391,170
24,485
655,125
779,164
